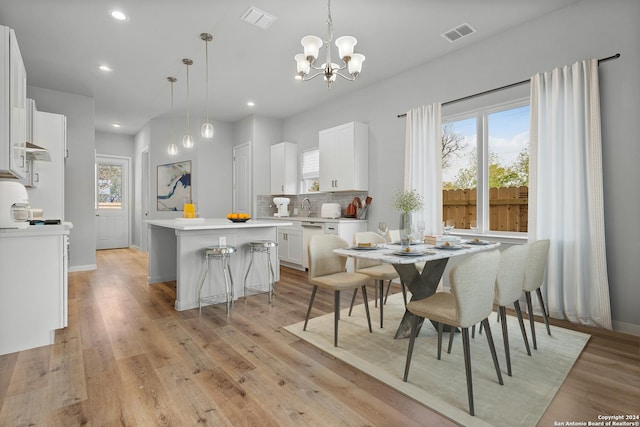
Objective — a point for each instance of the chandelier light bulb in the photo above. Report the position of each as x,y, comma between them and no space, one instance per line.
355,64
345,46
172,150
187,141
207,130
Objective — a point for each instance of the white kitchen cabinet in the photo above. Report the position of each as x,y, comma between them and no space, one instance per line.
13,114
344,158
290,245
284,168
33,288
48,192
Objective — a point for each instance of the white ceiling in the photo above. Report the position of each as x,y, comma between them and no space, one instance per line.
63,41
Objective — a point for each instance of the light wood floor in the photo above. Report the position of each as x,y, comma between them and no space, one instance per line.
128,358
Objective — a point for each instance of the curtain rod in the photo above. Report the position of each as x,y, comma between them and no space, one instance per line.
486,92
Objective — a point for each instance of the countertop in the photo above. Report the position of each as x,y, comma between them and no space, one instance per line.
213,223
313,219
37,230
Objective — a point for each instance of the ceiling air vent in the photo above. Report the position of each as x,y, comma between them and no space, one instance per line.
257,17
458,32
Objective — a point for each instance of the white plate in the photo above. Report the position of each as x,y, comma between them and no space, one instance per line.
364,248
413,253
477,242
450,247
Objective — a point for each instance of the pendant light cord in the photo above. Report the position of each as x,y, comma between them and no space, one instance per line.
206,56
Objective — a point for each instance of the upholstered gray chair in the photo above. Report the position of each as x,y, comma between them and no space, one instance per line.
376,270
533,278
470,302
327,271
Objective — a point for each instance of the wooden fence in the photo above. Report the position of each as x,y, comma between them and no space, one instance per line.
508,208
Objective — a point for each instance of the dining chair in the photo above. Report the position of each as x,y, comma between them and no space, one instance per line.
508,290
533,278
378,271
327,270
469,302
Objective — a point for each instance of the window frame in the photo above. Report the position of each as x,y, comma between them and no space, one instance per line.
305,183
481,115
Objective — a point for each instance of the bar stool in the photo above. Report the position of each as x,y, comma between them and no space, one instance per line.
222,253
263,247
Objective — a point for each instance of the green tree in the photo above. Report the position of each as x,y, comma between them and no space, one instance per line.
514,175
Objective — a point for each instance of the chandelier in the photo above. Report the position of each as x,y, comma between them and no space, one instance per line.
352,62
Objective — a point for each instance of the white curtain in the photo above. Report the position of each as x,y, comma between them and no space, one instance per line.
423,163
565,191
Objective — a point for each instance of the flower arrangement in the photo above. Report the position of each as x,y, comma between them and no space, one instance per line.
408,201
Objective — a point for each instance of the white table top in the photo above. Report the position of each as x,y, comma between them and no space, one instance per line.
386,253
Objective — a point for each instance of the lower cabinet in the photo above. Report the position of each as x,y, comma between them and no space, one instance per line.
290,245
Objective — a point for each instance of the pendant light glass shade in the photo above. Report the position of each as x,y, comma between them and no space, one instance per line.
172,149
206,130
187,139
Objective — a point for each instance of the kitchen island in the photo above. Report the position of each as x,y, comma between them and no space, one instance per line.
175,253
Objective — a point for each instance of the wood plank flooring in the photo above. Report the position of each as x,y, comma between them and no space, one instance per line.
128,358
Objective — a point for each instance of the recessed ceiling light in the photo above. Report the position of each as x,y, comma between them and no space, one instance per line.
116,125
251,103
105,68
119,15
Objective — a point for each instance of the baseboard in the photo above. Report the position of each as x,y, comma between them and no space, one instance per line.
627,328
83,267
136,247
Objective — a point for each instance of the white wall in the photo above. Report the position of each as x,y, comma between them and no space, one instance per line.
587,29
79,169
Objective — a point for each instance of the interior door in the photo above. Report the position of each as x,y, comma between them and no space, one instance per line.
242,194
146,191
112,202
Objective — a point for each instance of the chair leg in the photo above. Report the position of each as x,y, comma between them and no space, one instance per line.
229,284
375,293
246,275
306,319
467,368
336,316
452,331
473,331
492,348
502,311
412,339
272,277
545,315
516,305
203,277
440,329
380,283
386,295
531,322
353,300
366,306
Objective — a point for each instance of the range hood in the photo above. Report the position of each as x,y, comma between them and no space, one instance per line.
35,152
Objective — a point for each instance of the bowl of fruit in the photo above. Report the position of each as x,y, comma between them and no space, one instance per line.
238,217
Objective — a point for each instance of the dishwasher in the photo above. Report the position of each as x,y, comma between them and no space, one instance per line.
309,228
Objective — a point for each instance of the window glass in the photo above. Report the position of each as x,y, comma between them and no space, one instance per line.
485,169
310,171
109,186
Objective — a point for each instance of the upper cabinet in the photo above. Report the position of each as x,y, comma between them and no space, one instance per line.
284,168
344,158
13,112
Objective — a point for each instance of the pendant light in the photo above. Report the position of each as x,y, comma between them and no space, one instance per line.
207,128
172,149
187,139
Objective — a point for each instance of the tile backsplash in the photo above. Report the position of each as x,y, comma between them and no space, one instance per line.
266,207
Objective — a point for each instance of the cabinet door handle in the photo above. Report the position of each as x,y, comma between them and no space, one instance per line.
282,187
22,157
36,177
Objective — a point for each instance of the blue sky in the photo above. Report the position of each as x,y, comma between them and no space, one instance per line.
508,135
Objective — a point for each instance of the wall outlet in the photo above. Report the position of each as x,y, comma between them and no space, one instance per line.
295,211
222,241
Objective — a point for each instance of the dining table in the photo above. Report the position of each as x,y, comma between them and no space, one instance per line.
423,281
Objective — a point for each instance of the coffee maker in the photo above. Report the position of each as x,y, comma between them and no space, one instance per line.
282,203
14,204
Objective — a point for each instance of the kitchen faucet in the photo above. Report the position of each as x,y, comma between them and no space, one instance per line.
308,205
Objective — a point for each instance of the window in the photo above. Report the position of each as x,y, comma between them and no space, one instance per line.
485,168
310,171
109,186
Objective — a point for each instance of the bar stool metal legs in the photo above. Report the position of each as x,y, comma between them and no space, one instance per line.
222,253
261,246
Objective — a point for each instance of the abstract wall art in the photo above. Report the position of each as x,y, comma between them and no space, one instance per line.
174,186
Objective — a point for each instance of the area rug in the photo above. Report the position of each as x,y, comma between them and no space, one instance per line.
441,384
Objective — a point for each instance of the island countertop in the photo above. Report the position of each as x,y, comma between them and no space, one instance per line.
213,223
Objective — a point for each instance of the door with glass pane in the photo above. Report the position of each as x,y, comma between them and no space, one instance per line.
112,202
